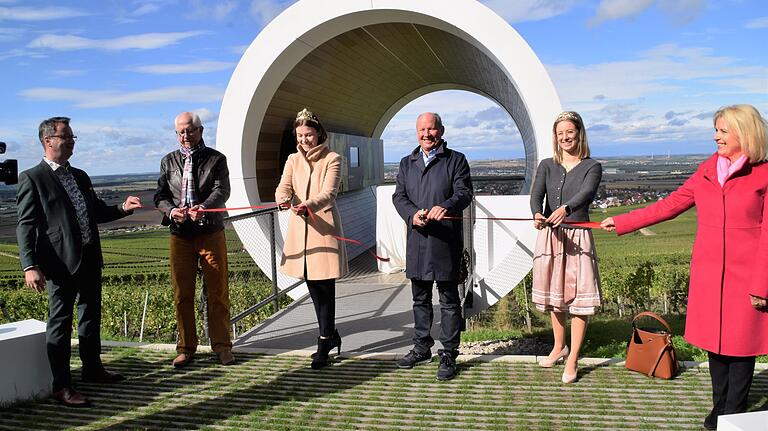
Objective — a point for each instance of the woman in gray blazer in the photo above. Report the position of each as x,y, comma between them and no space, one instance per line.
565,276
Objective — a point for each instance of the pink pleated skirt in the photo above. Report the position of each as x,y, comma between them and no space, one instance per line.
565,275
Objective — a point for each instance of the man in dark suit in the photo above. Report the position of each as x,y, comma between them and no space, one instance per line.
432,183
60,252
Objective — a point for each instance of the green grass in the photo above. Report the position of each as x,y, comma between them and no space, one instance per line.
607,336
129,253
484,334
672,243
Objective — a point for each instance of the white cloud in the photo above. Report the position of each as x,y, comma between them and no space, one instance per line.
239,49
474,125
111,98
530,10
138,143
145,9
758,23
680,11
38,13
222,9
609,10
198,67
217,10
8,34
63,73
750,85
206,115
138,9
139,41
13,53
663,70
264,11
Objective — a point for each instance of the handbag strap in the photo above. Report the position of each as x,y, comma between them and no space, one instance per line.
654,316
658,358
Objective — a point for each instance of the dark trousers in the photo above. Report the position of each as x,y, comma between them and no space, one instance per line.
450,314
731,380
323,293
85,286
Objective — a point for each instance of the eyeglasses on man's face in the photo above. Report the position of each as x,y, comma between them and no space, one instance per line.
188,131
64,137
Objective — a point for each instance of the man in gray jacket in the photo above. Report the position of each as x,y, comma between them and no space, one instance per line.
433,182
194,178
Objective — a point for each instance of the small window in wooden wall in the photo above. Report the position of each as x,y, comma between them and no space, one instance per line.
354,157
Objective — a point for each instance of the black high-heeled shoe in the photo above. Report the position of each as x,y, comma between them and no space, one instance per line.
335,342
320,358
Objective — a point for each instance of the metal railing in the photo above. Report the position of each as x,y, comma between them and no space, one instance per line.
274,298
466,289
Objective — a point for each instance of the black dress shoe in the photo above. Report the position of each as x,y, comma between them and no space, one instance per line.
71,398
102,376
414,358
710,422
447,368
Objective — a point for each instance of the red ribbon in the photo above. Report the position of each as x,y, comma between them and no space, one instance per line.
311,216
585,224
252,207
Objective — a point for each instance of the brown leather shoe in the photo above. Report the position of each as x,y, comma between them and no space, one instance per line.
183,360
102,376
71,398
226,358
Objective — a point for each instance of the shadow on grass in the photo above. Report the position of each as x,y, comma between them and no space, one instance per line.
145,382
758,395
607,337
244,397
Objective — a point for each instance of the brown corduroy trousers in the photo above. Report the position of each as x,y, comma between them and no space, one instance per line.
211,248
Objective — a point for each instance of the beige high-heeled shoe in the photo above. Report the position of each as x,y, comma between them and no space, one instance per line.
548,363
570,378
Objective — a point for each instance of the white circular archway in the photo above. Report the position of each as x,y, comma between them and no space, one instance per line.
357,63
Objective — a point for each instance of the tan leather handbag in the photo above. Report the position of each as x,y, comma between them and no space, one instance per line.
650,351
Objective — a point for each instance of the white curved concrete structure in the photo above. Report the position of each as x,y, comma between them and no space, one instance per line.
357,63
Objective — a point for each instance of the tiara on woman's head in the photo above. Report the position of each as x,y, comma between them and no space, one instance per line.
568,115
306,114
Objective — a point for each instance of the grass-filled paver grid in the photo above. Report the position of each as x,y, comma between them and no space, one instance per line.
283,393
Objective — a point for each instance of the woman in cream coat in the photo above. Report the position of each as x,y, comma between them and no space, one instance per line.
308,186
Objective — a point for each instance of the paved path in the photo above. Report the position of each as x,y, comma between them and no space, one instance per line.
281,392
373,314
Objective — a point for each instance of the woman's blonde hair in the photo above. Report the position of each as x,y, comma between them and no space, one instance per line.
582,148
749,126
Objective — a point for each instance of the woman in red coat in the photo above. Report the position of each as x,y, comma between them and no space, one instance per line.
727,306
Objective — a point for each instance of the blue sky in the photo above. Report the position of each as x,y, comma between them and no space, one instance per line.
646,75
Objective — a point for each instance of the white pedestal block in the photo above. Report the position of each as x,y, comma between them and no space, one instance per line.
24,373
753,421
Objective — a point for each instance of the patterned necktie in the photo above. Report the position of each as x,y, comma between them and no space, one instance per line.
78,201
